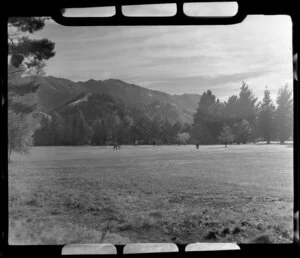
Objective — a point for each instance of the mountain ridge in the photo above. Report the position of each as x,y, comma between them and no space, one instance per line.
56,92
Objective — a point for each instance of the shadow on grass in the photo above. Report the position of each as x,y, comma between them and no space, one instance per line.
54,232
212,235
265,239
287,144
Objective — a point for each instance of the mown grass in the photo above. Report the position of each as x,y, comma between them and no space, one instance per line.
60,195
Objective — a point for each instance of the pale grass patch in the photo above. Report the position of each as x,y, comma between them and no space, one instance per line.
51,232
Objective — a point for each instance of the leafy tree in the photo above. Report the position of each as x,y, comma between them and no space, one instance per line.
231,106
81,130
20,131
43,135
98,137
200,132
176,127
51,131
284,113
141,129
26,57
266,117
122,131
68,130
206,101
183,137
242,131
255,130
226,135
217,109
57,128
186,128
207,119
165,132
155,130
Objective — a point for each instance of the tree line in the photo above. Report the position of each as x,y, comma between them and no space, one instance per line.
104,120
242,118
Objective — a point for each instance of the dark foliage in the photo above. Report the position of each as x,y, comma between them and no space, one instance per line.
103,120
247,121
99,119
25,55
24,50
27,24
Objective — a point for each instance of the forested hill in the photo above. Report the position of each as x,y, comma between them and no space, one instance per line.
54,93
101,119
87,117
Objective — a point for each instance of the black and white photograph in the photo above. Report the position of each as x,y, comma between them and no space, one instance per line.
150,134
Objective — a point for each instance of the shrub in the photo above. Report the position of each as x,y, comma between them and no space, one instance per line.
236,230
212,235
155,214
226,231
265,239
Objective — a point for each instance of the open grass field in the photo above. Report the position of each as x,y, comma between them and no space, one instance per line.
243,193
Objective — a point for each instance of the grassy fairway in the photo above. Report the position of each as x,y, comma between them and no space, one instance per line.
60,195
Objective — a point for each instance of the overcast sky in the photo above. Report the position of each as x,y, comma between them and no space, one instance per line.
178,59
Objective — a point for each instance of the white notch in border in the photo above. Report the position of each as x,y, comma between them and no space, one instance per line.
211,247
149,10
211,9
105,11
74,249
139,248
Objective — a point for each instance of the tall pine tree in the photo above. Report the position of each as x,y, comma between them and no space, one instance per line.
26,57
246,107
266,126
200,130
284,114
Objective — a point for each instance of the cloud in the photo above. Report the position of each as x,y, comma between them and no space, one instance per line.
198,84
166,57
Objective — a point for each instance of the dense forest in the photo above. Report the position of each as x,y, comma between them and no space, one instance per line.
242,118
104,120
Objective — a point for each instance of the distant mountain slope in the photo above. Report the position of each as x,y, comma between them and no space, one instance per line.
57,92
162,110
187,101
131,94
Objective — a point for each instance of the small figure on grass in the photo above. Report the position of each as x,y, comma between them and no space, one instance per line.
116,146
197,146
226,135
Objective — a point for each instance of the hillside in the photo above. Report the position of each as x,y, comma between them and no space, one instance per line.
54,93
100,119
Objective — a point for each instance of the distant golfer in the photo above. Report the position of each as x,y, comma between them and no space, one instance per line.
197,146
116,146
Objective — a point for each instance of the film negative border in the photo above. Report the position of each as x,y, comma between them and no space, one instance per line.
35,8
